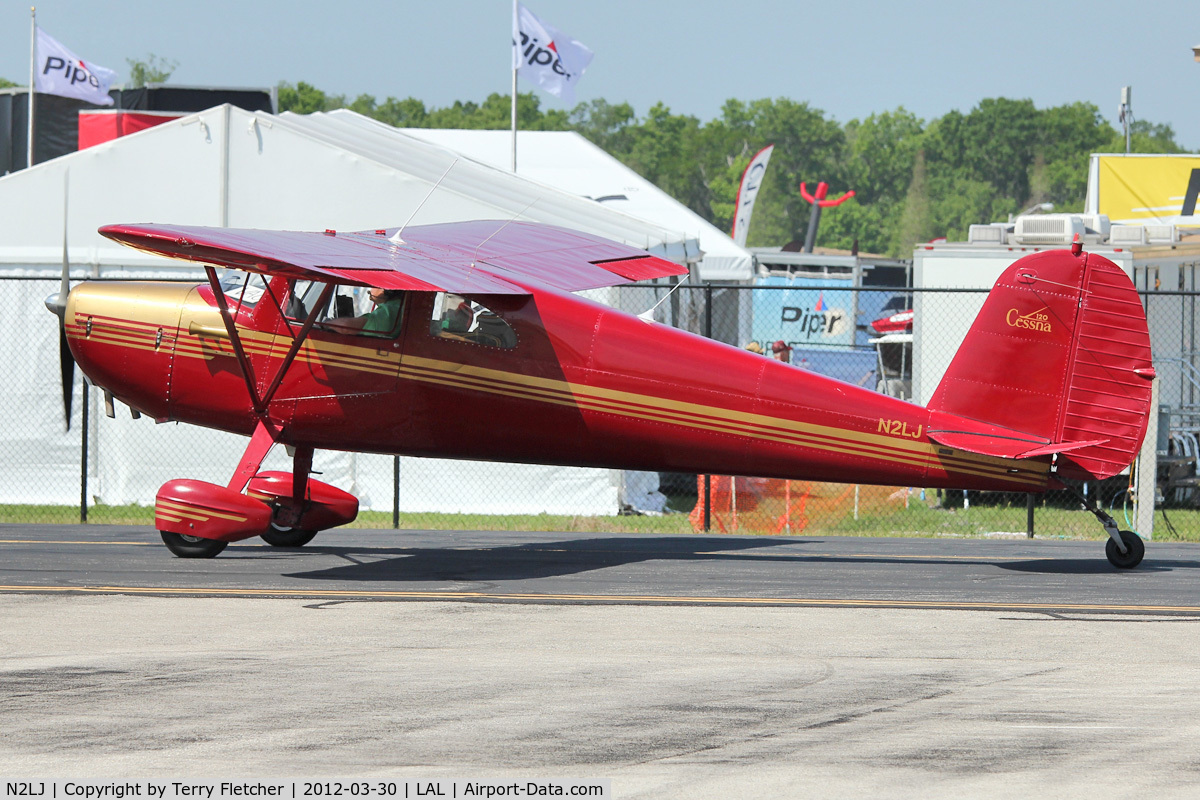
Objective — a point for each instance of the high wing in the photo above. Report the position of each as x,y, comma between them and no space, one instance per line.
478,257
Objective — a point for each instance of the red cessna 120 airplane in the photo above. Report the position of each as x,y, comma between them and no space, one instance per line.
479,350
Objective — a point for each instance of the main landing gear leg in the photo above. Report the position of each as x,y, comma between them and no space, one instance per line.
1124,549
284,530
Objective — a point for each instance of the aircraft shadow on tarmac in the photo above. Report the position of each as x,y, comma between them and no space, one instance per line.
1094,566
532,560
529,560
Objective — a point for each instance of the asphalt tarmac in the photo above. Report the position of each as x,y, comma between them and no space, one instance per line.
613,568
690,666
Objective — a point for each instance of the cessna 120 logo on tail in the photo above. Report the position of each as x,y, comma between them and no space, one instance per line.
1035,321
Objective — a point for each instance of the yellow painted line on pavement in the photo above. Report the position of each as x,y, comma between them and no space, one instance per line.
349,594
67,541
909,556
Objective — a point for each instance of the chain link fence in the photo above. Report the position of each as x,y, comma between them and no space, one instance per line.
108,470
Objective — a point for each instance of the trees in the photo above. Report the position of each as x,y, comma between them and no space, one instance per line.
495,113
605,125
881,158
304,98
914,180
152,70
808,148
667,150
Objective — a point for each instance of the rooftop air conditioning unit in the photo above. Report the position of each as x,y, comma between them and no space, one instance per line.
1058,229
995,233
1160,234
1127,235
1098,223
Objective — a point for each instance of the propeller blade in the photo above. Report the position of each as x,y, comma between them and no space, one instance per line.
66,365
66,361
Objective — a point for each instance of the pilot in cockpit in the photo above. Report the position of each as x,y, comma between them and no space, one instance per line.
381,320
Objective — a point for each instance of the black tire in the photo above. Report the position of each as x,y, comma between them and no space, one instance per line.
186,546
288,537
1135,547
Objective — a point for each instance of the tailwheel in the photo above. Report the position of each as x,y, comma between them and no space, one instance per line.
1118,540
186,546
279,536
1135,549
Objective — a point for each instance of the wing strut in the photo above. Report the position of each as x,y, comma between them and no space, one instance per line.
261,403
236,340
265,435
267,432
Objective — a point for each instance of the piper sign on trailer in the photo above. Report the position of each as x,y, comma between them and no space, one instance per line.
477,348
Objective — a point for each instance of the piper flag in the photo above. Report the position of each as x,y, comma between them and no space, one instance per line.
747,192
554,60
59,71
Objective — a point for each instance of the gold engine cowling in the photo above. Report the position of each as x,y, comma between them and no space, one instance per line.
123,336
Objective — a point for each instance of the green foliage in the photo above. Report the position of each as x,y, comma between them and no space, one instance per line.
304,98
7,84
607,126
808,147
495,113
914,181
881,159
407,113
152,70
1145,137
993,145
663,149
915,223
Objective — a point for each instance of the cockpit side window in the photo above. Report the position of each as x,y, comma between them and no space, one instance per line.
456,318
353,310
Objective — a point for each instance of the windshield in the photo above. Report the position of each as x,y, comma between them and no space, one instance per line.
242,288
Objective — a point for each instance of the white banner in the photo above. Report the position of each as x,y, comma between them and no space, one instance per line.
747,192
59,71
554,60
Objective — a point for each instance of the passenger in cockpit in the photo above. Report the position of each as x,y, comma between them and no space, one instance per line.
458,315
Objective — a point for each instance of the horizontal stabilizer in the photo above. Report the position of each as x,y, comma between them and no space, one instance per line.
989,439
1062,447
1005,446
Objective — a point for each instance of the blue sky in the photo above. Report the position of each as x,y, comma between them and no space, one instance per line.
847,58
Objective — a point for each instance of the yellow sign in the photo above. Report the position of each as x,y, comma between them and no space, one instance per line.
1147,189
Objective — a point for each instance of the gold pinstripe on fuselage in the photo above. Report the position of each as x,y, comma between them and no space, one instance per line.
141,334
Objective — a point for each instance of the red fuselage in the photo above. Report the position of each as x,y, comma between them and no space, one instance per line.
585,385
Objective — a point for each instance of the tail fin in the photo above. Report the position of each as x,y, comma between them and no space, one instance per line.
1058,361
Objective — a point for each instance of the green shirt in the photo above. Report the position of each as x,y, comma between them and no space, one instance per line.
383,318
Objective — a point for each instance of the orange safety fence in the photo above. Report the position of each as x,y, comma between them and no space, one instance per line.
771,505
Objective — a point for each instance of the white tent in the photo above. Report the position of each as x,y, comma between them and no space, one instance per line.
568,161
225,166
230,167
